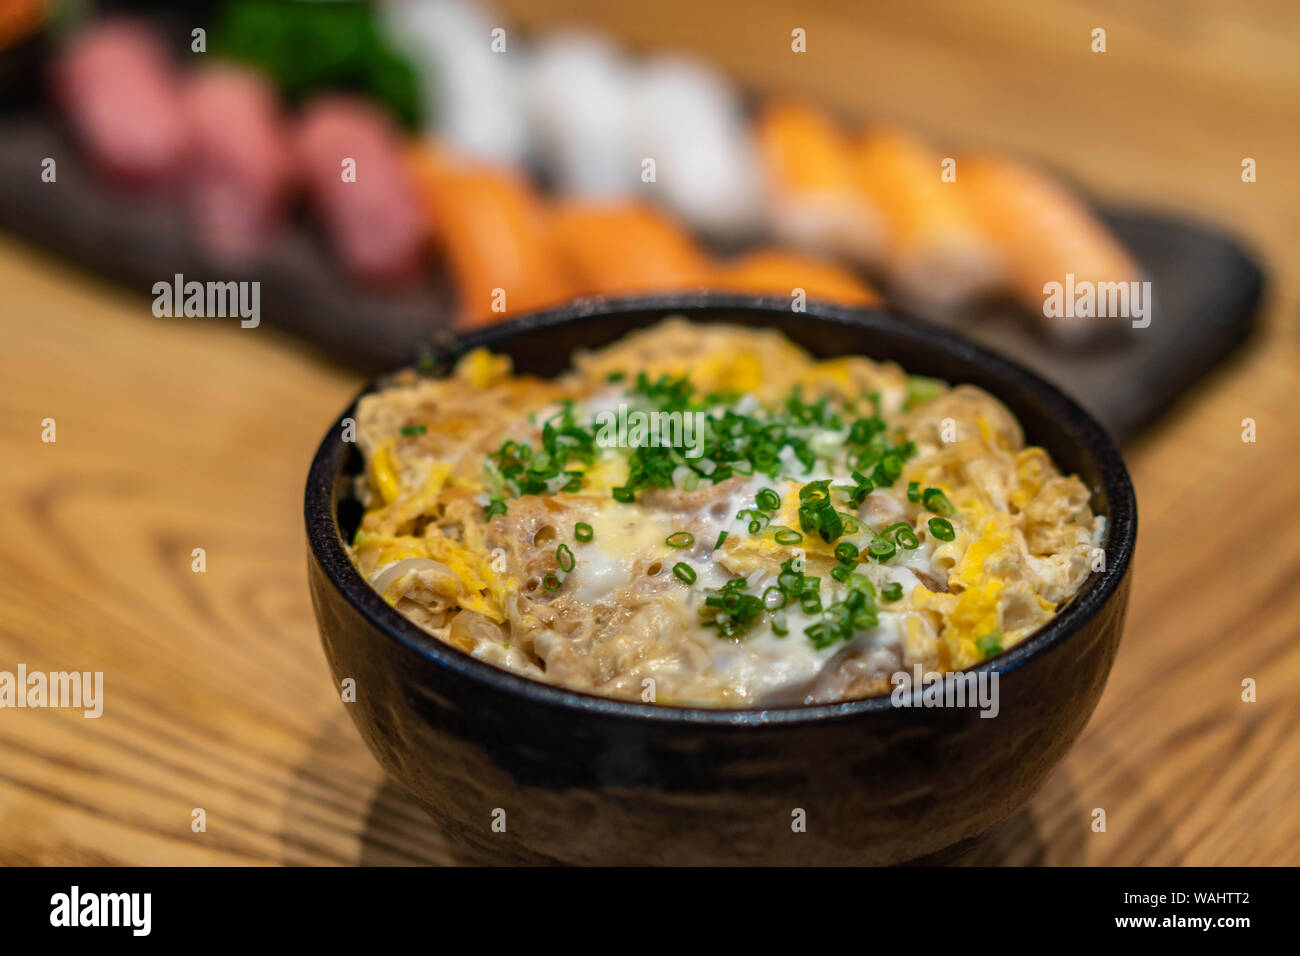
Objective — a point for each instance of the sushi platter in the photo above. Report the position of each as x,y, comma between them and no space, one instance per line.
557,168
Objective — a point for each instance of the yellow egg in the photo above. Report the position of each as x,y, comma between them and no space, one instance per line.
481,368
383,472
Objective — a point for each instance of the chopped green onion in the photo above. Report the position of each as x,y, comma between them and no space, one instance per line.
564,557
820,634
722,536
788,536
779,626
941,528
412,430
623,494
551,582
921,389
887,471
791,582
730,609
815,492
902,534
892,591
684,572
758,520
846,552
772,596
767,499
680,539
882,549
935,500
583,531
914,491
990,644
862,487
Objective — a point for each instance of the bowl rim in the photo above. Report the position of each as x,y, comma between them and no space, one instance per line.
327,548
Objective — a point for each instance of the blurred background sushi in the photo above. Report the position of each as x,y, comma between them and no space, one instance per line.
524,167
407,168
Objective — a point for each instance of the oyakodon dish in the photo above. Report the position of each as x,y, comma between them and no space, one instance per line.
704,515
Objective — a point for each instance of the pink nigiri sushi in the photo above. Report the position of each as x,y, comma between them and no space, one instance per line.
121,94
239,171
356,177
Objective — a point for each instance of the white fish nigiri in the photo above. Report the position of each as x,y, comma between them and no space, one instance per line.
471,92
579,109
690,122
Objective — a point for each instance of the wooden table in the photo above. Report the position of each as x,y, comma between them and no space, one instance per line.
177,434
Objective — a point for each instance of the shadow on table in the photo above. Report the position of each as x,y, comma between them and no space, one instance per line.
339,796
392,839
1054,829
341,809
398,832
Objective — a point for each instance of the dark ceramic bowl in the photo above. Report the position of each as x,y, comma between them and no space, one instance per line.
584,779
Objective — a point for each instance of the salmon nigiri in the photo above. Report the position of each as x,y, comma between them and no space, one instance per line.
618,248
492,229
1042,233
813,200
935,254
776,272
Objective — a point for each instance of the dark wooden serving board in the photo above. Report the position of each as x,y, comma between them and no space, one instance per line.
1205,289
1205,285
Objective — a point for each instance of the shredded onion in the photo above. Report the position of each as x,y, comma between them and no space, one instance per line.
396,570
469,629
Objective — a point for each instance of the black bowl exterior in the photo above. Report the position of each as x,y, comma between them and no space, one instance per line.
582,779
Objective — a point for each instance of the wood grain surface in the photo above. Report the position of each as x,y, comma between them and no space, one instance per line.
175,434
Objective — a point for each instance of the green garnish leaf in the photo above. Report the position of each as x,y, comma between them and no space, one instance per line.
310,48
